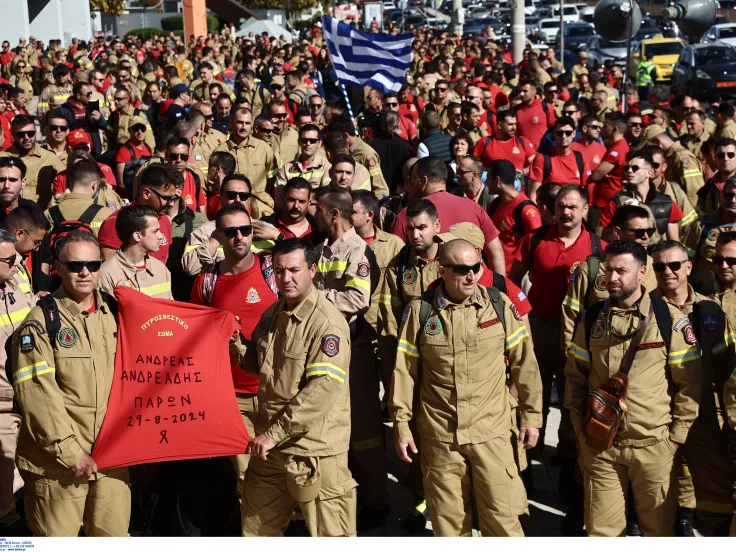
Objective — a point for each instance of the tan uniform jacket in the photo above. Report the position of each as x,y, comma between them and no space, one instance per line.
700,243
728,130
578,297
201,91
695,146
385,247
683,167
727,301
154,280
254,97
302,357
286,144
14,307
25,84
664,385
674,190
52,97
42,167
463,395
317,172
73,204
196,253
62,388
344,274
367,156
207,144
256,160
123,133
64,157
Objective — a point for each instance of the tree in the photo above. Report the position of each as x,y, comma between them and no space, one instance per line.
110,7
291,5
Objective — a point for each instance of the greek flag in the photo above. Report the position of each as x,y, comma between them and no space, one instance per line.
366,59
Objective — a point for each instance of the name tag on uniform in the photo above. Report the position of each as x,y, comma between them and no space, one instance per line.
489,323
653,345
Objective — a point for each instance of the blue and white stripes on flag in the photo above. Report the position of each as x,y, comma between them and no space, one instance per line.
366,59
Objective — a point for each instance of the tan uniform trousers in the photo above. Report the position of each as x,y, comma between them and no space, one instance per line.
490,468
59,508
367,448
248,405
10,479
268,505
607,475
546,335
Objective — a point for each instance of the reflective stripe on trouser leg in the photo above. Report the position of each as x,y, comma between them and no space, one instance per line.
368,455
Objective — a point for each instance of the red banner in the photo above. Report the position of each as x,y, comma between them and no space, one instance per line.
172,396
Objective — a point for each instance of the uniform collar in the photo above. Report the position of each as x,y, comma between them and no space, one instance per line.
307,305
245,144
317,163
74,195
71,306
441,300
126,264
642,306
350,234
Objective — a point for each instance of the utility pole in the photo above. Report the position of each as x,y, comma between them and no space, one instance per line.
562,32
518,29
458,17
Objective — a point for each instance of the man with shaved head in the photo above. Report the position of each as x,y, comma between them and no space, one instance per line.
460,332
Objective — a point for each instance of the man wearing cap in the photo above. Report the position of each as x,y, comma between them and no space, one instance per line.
120,122
682,165
133,149
55,95
182,97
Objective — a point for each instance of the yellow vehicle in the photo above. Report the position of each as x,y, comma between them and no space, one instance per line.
665,52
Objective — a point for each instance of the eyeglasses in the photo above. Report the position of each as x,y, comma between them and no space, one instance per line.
279,116
717,260
461,172
20,67
25,134
176,156
641,232
232,195
309,140
265,130
120,99
655,166
79,266
391,104
632,168
276,87
723,154
58,128
232,231
443,89
88,94
551,91
138,128
564,132
674,266
635,125
164,199
10,261
471,98
463,270
315,106
210,116
569,113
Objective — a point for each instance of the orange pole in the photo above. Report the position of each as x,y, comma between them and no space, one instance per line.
195,19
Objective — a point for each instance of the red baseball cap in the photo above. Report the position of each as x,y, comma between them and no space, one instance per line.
78,137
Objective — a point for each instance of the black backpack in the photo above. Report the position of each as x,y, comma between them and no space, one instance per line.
548,166
496,300
131,168
518,227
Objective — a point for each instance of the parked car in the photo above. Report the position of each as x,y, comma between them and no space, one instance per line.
666,52
569,13
549,28
576,34
600,49
723,33
707,71
530,7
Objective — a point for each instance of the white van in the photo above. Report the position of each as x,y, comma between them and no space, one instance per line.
549,29
569,13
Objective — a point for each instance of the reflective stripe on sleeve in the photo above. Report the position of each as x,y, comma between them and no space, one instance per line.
355,282
331,266
685,355
325,369
28,372
515,338
406,347
579,353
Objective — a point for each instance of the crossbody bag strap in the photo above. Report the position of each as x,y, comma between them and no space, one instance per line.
628,359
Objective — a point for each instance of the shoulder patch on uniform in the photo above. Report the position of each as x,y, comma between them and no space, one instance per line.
371,163
489,323
680,323
574,271
600,283
433,326
112,205
515,312
404,318
686,163
364,270
331,345
599,328
521,296
689,334
35,324
67,338
27,342
410,276
710,322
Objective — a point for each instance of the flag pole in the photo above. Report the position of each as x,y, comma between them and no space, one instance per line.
347,103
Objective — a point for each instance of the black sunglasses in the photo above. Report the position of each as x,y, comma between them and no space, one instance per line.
276,87
463,270
176,156
674,266
315,106
309,140
25,134
641,232
655,166
279,115
210,116
265,130
165,199
232,196
564,132
391,104
717,260
722,155
138,128
10,261
79,266
232,231
569,113
633,168
728,196
635,125
58,128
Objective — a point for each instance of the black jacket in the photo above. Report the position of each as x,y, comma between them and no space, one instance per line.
394,152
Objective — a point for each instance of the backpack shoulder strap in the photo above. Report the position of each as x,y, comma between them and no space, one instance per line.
591,314
403,258
197,184
594,263
493,207
130,148
521,141
537,236
111,303
664,320
499,282
581,163
51,317
375,270
547,167
487,141
56,215
424,311
209,279
596,245
268,273
90,213
519,216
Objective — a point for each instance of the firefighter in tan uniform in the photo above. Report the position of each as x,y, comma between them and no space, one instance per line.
300,454
14,307
630,222
132,266
346,272
664,387
308,163
254,158
55,95
367,156
62,385
285,137
457,336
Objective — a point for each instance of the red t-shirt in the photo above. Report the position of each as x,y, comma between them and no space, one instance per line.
123,154
410,111
500,98
564,169
60,181
517,297
108,236
551,267
532,122
503,219
593,155
515,150
189,193
246,295
452,209
609,210
603,191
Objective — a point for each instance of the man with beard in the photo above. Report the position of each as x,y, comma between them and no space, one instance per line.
236,283
308,164
663,393
634,128
672,189
725,154
285,140
701,464
506,144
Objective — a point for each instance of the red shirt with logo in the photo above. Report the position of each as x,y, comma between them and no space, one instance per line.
189,192
246,295
503,219
603,191
551,268
108,236
532,122
593,154
409,110
60,181
564,169
517,297
515,150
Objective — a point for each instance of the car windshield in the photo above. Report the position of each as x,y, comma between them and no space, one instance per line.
549,24
663,48
580,31
714,55
608,45
727,32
